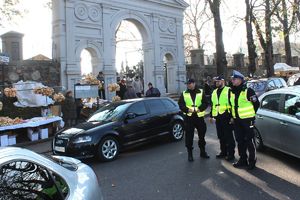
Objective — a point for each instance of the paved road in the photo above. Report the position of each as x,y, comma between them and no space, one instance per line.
159,170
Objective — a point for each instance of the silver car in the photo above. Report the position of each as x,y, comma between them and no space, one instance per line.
278,121
25,174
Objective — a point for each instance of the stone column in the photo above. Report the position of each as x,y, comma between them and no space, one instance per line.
277,58
238,61
295,61
148,63
197,56
181,70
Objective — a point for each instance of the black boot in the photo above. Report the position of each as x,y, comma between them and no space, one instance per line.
240,163
221,155
203,153
190,155
251,165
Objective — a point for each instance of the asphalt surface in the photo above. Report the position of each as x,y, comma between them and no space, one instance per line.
159,170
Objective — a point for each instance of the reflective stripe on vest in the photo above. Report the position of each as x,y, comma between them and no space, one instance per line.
193,105
245,107
221,104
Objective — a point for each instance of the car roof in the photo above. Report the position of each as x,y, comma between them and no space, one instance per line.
292,89
141,99
264,79
8,151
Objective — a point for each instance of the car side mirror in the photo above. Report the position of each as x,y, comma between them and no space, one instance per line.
298,115
130,116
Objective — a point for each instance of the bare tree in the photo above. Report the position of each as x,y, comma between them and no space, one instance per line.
221,61
9,11
250,39
195,19
283,12
266,41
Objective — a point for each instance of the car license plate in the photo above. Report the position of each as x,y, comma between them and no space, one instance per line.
60,149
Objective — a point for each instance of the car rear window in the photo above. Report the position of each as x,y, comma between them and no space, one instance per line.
257,86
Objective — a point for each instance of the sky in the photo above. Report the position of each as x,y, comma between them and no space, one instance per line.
36,27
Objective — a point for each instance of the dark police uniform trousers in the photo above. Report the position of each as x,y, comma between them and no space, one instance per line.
193,122
225,134
244,135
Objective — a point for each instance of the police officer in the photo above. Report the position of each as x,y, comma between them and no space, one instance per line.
244,104
220,111
193,103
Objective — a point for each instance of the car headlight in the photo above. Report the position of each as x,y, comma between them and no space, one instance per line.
82,139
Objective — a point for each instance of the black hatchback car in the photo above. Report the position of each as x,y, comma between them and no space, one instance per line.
118,125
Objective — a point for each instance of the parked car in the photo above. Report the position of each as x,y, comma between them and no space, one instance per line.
263,85
119,125
278,121
25,174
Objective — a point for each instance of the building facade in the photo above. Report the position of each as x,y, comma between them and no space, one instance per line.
91,25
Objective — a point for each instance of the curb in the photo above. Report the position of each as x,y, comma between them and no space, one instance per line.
30,143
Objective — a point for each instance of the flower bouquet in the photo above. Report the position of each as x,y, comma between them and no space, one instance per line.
10,92
116,98
90,79
113,87
59,97
6,121
45,91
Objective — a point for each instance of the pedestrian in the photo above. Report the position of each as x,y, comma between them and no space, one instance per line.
138,86
244,104
101,90
122,90
193,103
79,107
152,91
130,92
69,109
220,112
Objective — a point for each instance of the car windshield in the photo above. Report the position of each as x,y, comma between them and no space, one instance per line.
110,112
257,86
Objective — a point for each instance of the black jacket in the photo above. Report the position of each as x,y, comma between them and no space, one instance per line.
193,93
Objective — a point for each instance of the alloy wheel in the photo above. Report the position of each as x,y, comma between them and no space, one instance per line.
109,149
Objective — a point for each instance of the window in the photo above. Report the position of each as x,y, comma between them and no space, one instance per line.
30,181
278,83
168,104
138,108
271,102
271,85
155,106
291,104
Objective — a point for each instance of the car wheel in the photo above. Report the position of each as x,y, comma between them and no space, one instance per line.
177,131
258,140
108,149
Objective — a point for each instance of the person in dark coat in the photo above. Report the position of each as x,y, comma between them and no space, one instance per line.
122,90
101,91
152,91
69,109
130,92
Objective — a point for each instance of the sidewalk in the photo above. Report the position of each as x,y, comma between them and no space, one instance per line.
39,146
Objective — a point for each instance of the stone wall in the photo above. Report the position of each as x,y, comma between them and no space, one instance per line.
46,72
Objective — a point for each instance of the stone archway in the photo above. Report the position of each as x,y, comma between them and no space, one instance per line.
84,24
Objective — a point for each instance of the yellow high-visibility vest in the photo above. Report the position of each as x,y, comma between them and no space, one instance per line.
193,105
245,107
221,104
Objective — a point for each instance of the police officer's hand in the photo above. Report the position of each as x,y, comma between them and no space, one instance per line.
211,120
191,110
231,121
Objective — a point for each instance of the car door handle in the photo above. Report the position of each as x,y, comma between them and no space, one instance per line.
259,117
283,123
